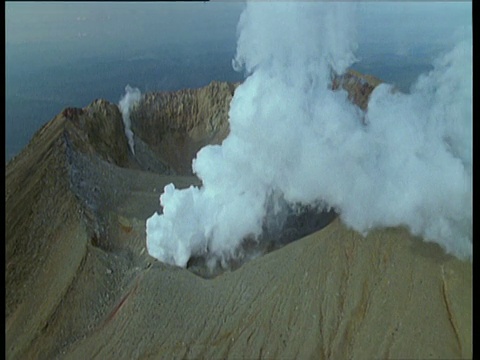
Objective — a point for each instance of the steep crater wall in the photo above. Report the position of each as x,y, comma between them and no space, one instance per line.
175,125
169,127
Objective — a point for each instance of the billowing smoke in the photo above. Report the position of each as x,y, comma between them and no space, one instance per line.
407,161
132,96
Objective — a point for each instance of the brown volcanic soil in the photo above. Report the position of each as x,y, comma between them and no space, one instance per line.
80,284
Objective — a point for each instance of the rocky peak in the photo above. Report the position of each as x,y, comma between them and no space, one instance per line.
177,124
98,129
358,86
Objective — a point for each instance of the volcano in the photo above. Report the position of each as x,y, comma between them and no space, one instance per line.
80,283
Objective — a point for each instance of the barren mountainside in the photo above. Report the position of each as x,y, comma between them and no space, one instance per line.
80,283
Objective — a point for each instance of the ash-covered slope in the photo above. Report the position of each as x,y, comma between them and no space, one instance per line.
66,193
79,283
332,295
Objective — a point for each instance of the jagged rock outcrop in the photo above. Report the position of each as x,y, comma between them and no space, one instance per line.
177,124
80,284
358,86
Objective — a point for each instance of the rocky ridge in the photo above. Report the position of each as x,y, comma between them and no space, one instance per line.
79,283
177,124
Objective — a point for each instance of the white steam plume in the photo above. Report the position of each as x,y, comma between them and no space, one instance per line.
292,137
132,96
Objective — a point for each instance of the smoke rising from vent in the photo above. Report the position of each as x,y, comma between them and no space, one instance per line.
407,161
129,100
